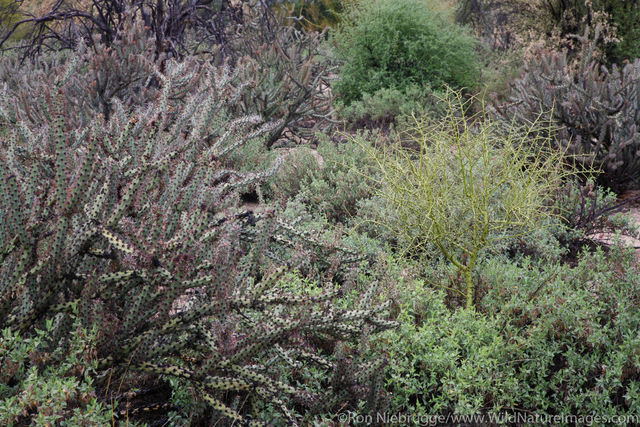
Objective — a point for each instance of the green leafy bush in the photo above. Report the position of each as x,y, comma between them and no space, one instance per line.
447,362
572,329
392,106
44,384
329,181
545,338
395,44
594,109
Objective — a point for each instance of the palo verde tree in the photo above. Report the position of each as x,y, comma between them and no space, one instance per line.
468,185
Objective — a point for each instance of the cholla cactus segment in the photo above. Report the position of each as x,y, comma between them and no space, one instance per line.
120,221
595,110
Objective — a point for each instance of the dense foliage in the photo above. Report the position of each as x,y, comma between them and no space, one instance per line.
394,44
553,340
277,213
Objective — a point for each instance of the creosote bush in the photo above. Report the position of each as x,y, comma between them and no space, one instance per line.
394,44
467,185
133,224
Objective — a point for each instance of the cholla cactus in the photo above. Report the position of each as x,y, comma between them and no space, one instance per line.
124,70
290,75
596,110
132,223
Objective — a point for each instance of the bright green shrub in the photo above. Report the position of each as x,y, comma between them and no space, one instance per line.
545,338
397,43
447,362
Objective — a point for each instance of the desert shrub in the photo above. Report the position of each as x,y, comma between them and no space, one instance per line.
520,25
9,16
572,328
392,106
546,338
594,109
624,16
568,18
329,181
587,208
134,222
447,362
467,184
582,210
395,44
44,384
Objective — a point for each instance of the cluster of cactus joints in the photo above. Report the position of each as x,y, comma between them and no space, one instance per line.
596,110
290,75
121,221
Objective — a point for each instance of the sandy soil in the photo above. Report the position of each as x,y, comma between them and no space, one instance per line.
631,211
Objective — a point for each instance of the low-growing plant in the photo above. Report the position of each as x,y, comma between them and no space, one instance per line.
447,362
468,184
546,339
330,181
574,349
392,106
395,44
42,383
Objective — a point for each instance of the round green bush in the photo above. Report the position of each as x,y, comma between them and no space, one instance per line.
397,43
